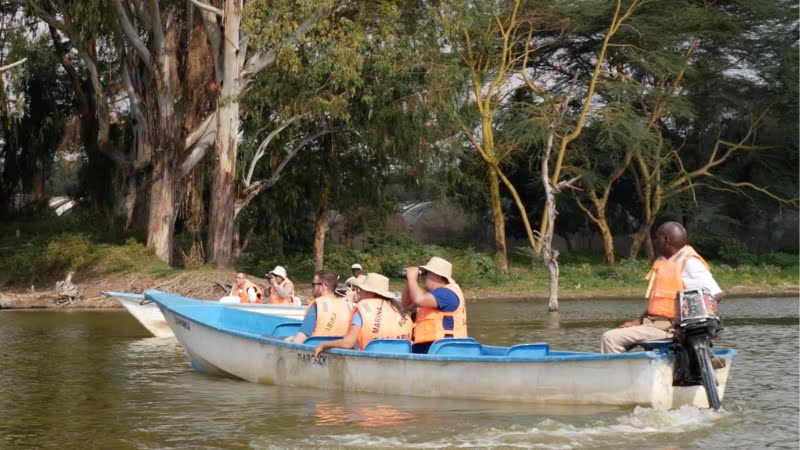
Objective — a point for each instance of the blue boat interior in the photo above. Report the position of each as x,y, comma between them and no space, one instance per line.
274,328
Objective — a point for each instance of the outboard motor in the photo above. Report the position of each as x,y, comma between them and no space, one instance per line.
697,323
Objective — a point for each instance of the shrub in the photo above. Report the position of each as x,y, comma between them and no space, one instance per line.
65,252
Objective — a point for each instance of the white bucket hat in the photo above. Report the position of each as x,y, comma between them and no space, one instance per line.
375,282
356,266
279,271
440,267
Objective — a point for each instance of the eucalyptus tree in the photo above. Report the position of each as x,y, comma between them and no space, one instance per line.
79,33
340,110
34,106
238,55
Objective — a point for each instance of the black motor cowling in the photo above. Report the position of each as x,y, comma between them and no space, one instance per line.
697,323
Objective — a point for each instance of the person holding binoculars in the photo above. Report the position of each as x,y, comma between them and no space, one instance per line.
281,289
441,310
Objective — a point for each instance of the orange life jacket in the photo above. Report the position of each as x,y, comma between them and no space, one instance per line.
333,316
275,299
244,296
665,282
430,321
381,320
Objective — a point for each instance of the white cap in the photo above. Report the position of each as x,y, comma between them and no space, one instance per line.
356,266
279,271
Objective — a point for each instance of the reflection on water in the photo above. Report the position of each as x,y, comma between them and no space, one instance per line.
95,379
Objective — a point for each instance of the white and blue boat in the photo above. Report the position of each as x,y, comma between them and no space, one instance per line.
148,314
250,346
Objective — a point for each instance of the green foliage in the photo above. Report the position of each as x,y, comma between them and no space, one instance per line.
66,252
779,259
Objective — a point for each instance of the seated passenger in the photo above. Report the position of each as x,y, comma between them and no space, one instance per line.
281,289
350,288
328,314
441,310
377,315
246,290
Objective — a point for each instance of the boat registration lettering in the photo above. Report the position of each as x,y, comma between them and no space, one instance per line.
183,323
308,358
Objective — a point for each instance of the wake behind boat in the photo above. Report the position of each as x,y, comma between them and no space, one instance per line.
148,314
249,346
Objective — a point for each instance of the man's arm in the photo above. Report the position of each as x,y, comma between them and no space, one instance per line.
306,328
695,275
284,291
416,295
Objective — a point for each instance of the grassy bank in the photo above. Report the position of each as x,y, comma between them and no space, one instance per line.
41,253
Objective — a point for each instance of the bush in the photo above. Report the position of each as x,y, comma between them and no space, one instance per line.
65,252
779,259
733,251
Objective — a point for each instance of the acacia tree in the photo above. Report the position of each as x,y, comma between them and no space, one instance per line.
492,42
691,149
563,131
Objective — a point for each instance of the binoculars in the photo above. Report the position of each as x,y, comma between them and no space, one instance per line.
402,273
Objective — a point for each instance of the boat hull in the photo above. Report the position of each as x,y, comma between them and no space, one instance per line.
223,343
150,316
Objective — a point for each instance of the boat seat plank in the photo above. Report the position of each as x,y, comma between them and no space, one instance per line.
529,350
286,329
433,348
455,347
389,346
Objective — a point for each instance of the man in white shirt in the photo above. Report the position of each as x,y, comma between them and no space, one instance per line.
678,268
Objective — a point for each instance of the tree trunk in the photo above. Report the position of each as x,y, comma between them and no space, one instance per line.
162,212
221,217
500,252
320,231
609,257
221,220
549,254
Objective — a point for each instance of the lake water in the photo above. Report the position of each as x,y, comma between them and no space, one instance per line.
95,379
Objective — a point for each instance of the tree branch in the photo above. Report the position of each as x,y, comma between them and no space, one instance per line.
12,65
256,188
262,147
260,61
207,7
198,142
133,37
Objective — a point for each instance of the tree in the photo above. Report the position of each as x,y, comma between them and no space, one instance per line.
492,41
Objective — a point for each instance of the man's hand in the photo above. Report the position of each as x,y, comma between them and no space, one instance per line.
320,348
412,273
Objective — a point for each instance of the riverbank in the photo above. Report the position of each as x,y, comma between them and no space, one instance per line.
212,283
33,262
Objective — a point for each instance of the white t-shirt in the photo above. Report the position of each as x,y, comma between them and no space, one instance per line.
696,276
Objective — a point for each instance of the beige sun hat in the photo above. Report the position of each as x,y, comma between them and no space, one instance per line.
440,267
374,282
279,271
353,281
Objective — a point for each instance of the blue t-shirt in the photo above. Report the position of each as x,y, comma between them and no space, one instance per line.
447,301
309,321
